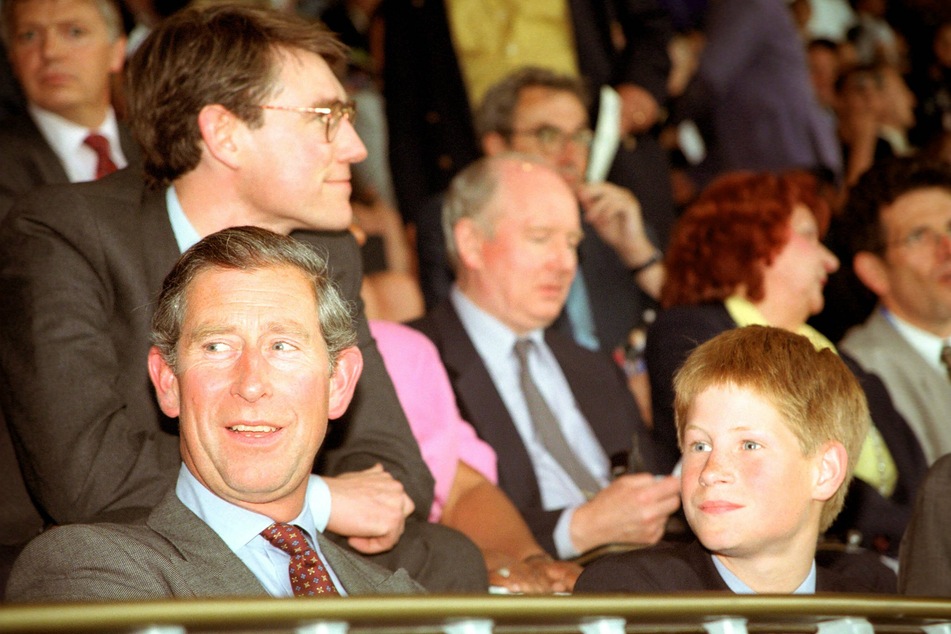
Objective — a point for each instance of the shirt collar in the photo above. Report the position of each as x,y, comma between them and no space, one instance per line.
490,336
65,136
185,233
235,525
927,344
745,313
808,585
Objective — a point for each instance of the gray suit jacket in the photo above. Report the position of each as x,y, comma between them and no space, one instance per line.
28,161
922,395
173,555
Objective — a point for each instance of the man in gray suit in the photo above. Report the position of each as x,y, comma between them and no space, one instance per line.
253,349
899,226
242,122
64,61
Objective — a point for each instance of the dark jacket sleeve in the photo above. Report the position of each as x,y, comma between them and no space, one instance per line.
925,561
374,428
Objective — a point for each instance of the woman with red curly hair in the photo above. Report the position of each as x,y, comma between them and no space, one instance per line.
749,251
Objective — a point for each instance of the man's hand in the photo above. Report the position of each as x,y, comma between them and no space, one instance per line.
634,509
639,110
369,508
538,574
615,213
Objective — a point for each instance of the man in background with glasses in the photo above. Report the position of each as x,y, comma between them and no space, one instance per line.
898,223
538,112
241,122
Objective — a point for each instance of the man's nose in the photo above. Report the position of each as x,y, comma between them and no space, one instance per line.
350,148
252,378
51,44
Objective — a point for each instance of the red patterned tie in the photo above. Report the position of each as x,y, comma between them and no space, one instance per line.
100,145
309,576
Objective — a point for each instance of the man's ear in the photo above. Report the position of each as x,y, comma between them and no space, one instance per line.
165,382
343,382
219,127
469,238
831,470
118,55
493,144
871,270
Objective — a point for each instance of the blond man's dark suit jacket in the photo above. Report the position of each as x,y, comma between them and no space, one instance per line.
925,560
80,266
27,160
689,568
173,555
596,384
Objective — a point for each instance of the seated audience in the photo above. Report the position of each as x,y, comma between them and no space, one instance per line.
463,465
560,417
242,122
253,350
544,114
748,251
898,222
70,132
770,428
925,562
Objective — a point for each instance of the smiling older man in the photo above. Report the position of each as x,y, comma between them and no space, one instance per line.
254,350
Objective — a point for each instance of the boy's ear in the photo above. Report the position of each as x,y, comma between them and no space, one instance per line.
832,466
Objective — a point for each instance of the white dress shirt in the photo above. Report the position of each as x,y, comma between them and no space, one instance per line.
495,344
67,140
241,529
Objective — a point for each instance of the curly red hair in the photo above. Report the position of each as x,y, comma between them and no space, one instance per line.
735,229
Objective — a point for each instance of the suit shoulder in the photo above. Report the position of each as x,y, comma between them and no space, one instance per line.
86,561
661,568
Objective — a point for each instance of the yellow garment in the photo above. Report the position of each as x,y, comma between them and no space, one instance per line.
875,464
494,37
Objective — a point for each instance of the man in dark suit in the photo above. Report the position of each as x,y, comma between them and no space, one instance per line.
80,266
514,231
770,429
925,556
539,112
253,350
64,61
430,96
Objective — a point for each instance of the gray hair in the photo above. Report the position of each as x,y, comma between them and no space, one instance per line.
497,109
250,249
108,9
470,193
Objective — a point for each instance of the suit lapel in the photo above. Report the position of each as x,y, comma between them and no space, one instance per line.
208,566
48,166
157,238
359,576
482,406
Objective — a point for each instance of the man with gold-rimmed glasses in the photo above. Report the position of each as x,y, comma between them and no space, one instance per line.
241,122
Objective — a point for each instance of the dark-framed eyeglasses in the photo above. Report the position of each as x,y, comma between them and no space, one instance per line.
552,140
331,115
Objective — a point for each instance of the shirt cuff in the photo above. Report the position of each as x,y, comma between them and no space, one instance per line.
562,535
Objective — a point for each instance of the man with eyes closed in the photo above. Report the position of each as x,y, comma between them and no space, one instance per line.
560,417
770,429
241,122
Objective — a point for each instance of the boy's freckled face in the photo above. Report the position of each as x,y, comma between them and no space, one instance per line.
747,487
